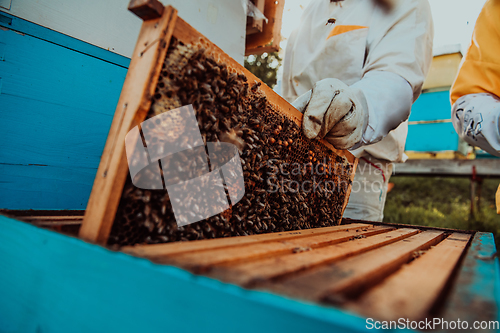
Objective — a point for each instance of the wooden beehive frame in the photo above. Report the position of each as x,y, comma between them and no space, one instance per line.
135,100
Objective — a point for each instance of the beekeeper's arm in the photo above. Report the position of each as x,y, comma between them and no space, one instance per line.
396,64
476,90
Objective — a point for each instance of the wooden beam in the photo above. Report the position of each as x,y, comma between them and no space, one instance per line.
485,167
248,274
412,291
204,261
156,250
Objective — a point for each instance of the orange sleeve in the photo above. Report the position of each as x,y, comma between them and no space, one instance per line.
480,70
498,200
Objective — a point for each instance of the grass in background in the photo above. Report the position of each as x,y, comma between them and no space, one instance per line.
442,202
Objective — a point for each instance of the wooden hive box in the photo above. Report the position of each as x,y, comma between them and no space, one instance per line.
323,279
380,271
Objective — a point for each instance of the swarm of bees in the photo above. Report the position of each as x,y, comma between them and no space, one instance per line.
277,159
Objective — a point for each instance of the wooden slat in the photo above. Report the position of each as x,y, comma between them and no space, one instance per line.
132,108
55,223
210,244
412,291
356,273
51,218
261,271
203,261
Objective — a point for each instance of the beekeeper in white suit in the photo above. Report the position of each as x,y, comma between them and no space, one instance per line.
358,67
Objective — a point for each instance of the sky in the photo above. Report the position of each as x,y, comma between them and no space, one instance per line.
453,20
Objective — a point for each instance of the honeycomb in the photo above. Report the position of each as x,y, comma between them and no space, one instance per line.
277,159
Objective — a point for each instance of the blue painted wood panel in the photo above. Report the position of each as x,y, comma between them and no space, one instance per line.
431,137
17,24
42,186
434,137
56,106
431,106
53,283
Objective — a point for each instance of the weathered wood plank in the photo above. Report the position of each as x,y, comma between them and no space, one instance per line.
133,105
356,273
263,270
52,220
154,250
412,291
203,261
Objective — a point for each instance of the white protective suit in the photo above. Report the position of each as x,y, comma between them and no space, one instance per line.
386,55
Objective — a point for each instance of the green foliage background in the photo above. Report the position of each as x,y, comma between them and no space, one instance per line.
442,202
264,66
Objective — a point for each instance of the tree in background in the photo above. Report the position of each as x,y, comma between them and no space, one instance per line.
264,66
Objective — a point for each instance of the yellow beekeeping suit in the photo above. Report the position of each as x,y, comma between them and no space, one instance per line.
480,71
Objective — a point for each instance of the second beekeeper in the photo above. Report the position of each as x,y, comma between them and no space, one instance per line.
358,66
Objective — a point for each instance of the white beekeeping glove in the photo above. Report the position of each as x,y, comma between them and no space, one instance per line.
476,118
335,112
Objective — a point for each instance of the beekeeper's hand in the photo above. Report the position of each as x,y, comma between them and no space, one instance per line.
333,111
476,118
